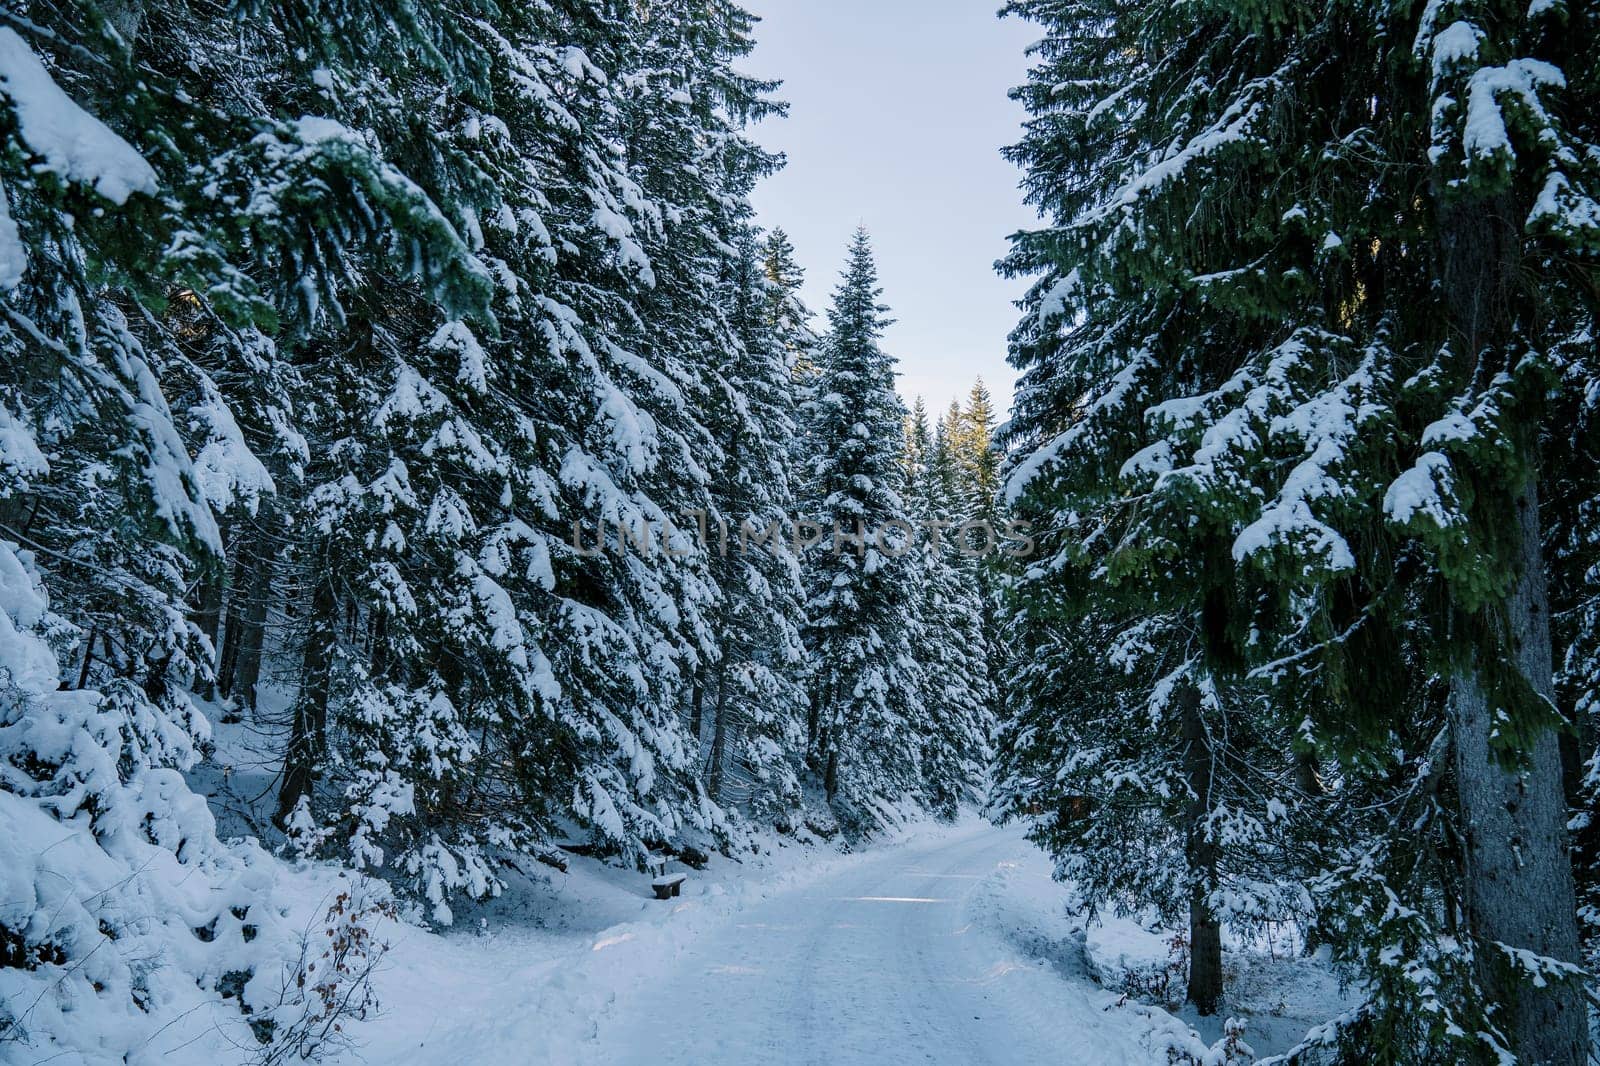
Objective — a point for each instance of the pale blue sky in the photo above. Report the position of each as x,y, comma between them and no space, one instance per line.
898,112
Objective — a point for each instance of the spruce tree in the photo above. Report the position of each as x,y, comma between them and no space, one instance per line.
544,463
687,141
1569,456
972,446
1568,489
792,320
491,283
1289,325
957,698
786,314
758,696
411,664
144,247
865,694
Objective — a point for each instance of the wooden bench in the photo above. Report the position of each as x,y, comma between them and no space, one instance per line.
668,885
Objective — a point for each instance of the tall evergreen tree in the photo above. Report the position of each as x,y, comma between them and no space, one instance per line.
147,248
957,698
758,692
417,677
492,282
562,449
1282,374
1569,493
865,695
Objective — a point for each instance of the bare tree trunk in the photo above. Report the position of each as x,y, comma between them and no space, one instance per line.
814,725
719,740
1518,873
253,627
228,662
697,711
88,657
1200,847
309,726
207,611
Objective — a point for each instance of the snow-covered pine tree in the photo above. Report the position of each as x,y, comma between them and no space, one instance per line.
786,312
1514,189
1160,793
756,694
482,674
957,697
321,185
614,411
1572,508
791,318
919,443
620,291
1302,358
413,667
96,482
862,734
115,287
1119,570
1571,502
685,138
970,436
975,449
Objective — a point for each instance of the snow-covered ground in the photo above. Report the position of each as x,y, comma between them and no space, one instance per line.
909,955
942,945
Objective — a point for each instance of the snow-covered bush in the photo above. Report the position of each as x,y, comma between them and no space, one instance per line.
1155,980
121,914
127,928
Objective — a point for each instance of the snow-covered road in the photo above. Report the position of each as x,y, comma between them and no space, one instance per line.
949,945
906,956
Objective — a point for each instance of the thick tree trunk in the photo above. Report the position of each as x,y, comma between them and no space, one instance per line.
307,731
1516,870
1205,931
1518,874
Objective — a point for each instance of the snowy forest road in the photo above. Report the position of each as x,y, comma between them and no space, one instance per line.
908,956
